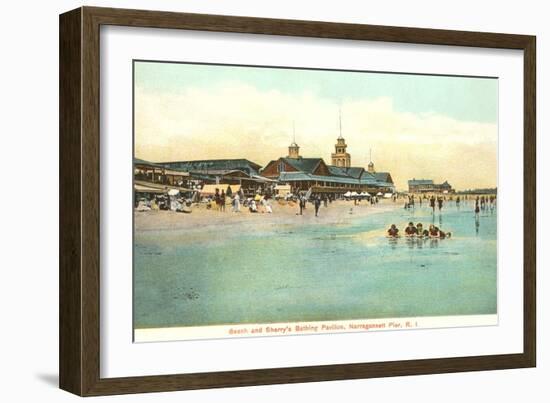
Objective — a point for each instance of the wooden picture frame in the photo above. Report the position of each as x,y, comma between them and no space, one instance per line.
79,280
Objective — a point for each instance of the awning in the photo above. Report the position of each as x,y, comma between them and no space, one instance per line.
161,187
175,173
260,179
147,189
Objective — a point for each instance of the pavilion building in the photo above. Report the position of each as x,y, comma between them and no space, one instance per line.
303,174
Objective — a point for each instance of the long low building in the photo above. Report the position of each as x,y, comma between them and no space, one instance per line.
197,174
215,166
429,186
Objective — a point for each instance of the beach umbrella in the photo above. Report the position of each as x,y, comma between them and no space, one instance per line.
354,193
347,194
379,194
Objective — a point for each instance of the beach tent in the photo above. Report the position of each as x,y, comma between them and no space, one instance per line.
282,190
354,194
388,195
347,194
379,194
173,192
364,194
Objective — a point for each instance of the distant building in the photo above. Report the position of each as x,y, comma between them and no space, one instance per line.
428,186
479,191
445,187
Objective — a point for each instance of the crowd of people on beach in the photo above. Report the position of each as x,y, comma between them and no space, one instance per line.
433,201
257,204
481,202
484,202
163,202
418,230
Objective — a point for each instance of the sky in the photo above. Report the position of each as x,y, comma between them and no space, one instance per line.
417,126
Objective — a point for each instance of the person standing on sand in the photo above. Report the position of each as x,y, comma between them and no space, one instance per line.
217,198
222,201
301,203
317,204
237,204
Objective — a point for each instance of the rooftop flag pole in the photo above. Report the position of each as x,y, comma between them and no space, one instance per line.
340,117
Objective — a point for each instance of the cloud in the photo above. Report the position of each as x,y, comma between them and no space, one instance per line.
236,120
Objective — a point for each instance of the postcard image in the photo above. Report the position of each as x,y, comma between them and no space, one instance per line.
275,201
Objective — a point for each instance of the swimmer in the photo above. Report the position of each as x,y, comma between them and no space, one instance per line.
393,231
411,230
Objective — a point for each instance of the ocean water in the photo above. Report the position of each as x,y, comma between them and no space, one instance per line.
297,272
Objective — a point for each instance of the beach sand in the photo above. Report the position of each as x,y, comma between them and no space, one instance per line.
337,213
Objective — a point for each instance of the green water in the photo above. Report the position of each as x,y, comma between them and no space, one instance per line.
298,272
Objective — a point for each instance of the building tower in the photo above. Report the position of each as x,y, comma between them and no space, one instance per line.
371,164
293,149
340,157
